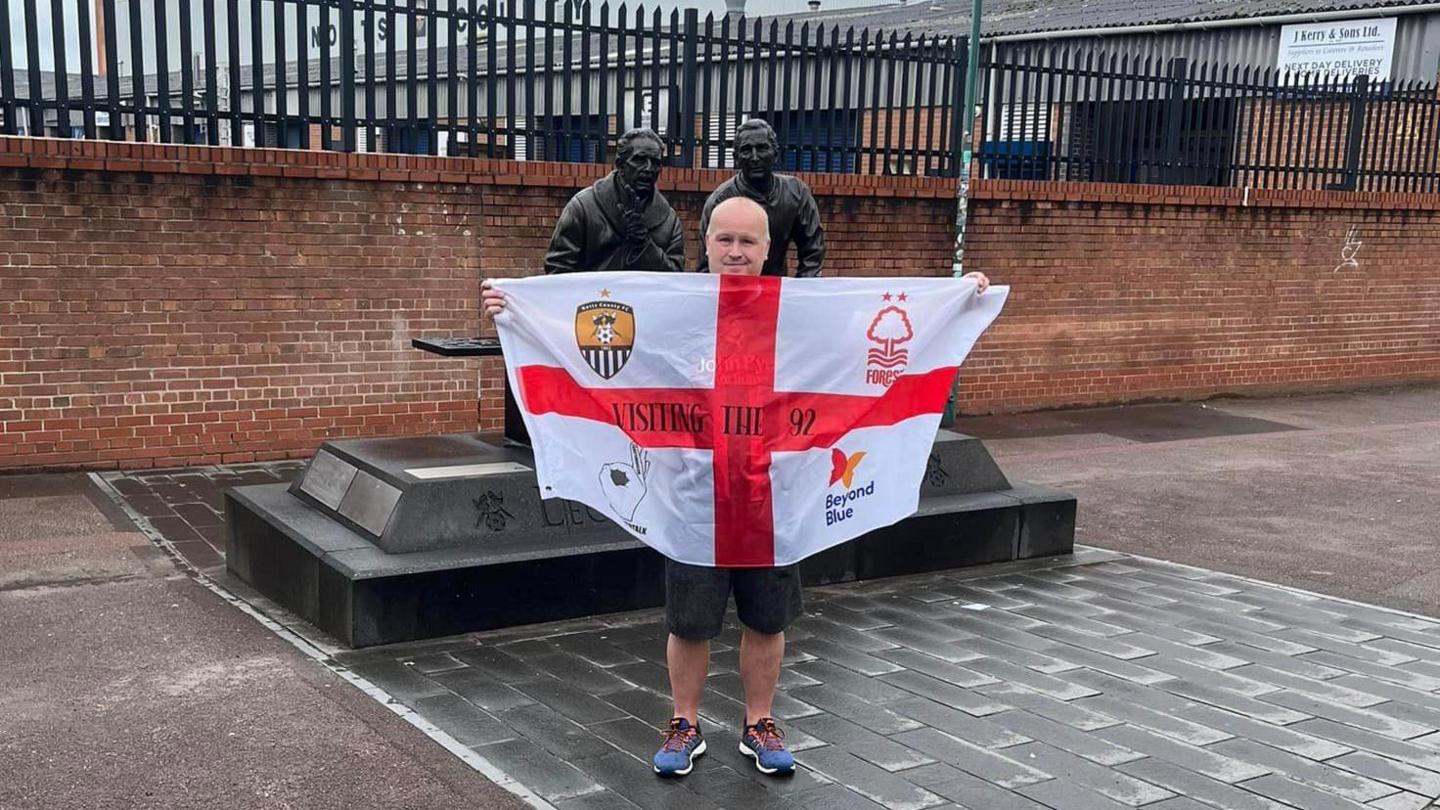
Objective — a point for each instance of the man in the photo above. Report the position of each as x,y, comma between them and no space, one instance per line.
621,222
767,600
794,217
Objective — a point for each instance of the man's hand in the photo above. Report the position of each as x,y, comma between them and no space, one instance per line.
981,282
491,299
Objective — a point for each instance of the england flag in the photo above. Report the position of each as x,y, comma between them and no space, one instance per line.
737,421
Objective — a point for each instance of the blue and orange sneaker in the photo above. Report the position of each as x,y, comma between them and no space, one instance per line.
682,745
764,742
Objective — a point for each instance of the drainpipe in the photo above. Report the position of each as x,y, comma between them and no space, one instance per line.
967,146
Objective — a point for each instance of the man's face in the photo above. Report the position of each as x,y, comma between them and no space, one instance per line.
736,242
641,167
754,155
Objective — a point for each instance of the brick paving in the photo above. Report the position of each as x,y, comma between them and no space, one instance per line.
1094,681
187,506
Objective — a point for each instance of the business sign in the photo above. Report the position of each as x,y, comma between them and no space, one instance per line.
383,30
1344,48
396,27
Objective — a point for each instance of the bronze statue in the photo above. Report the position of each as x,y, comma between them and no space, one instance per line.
621,222
794,216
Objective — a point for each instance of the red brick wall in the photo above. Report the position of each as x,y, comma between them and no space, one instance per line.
1154,292
165,306
163,319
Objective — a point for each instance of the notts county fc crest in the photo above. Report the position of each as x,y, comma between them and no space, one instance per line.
605,333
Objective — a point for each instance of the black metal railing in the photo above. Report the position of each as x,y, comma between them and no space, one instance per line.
1087,116
560,79
550,80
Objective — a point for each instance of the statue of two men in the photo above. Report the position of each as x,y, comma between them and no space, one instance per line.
622,222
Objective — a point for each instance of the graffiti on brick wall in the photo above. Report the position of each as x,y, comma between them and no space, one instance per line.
1349,250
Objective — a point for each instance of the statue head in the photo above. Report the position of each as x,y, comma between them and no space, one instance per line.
756,149
637,157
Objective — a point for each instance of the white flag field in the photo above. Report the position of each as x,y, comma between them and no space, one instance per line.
737,421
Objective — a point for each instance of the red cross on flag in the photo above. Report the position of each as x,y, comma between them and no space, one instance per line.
737,421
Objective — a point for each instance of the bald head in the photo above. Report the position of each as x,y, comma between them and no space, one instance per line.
738,238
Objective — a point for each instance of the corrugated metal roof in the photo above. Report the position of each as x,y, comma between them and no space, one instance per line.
1004,17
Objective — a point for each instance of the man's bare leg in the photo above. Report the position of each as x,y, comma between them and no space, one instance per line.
760,655
689,663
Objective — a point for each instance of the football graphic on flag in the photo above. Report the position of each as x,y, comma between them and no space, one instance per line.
605,333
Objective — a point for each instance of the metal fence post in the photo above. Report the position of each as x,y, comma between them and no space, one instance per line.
1356,136
688,84
1174,112
7,72
62,74
959,59
34,87
347,76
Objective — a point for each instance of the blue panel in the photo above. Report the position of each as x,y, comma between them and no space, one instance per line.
578,139
1018,160
400,138
813,130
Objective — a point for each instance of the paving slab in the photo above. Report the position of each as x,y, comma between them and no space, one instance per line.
905,729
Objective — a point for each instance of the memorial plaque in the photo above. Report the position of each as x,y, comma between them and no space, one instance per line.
327,479
369,503
466,470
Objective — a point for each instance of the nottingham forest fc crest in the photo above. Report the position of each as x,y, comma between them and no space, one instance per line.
605,333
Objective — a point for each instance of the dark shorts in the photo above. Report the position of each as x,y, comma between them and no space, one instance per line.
766,599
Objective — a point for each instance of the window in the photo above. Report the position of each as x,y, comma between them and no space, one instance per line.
1020,147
